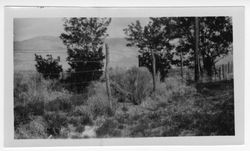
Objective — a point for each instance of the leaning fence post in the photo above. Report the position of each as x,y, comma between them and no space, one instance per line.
153,68
107,76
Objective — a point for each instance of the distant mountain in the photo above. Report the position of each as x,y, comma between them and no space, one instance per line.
120,54
39,44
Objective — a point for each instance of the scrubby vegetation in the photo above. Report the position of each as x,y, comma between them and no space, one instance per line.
48,67
45,109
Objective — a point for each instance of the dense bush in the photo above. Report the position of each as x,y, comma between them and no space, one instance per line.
83,113
98,106
78,99
36,128
29,86
107,128
59,105
34,97
48,67
55,121
132,85
21,115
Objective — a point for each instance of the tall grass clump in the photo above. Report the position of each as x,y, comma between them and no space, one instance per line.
173,89
132,85
98,102
29,85
36,128
34,97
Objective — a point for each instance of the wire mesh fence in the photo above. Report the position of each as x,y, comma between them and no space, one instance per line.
73,79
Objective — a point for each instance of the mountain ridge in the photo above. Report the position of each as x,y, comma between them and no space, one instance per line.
120,54
54,42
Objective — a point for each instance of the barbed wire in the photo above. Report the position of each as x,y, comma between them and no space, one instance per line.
62,82
75,83
65,72
63,60
68,83
39,52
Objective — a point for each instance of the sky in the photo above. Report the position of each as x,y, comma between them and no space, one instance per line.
27,28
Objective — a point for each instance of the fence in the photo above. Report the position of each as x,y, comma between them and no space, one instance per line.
224,71
65,75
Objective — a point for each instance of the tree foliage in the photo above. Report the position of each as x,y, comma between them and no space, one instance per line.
215,40
182,31
84,38
154,37
48,67
215,34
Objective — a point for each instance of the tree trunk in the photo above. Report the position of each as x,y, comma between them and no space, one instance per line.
153,69
196,53
208,66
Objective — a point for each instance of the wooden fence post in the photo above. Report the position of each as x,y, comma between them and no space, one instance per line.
153,68
220,72
196,52
107,76
223,71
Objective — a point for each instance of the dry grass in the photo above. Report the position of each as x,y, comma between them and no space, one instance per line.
45,109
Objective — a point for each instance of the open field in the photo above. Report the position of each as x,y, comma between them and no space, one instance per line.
46,109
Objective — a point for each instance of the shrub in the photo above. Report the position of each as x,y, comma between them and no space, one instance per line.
37,128
81,110
20,89
97,88
55,121
48,67
98,105
133,85
173,89
59,104
81,115
98,102
107,127
29,86
24,84
21,115
22,112
149,103
35,107
78,99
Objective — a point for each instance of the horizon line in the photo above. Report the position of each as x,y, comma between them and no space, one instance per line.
55,37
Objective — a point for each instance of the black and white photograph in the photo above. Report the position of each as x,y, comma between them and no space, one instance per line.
86,77
123,77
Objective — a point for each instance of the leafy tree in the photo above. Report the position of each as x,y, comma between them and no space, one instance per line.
182,32
153,43
48,67
182,58
215,38
84,38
